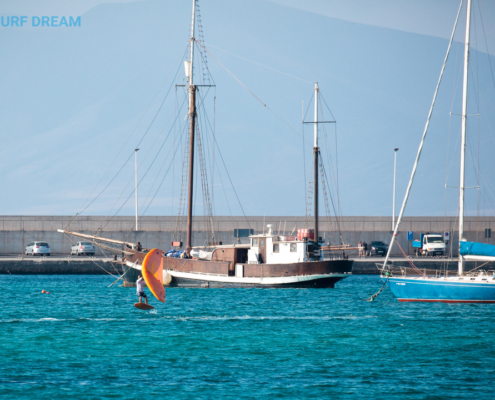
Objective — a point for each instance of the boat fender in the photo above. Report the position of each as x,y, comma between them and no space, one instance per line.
167,278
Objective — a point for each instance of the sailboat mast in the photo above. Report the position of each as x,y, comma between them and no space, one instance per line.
463,134
316,151
192,124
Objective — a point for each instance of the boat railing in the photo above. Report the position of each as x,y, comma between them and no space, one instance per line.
333,256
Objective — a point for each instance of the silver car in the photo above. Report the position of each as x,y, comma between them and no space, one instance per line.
79,248
38,248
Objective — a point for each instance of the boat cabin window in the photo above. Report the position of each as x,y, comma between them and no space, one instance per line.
275,248
255,243
293,247
262,243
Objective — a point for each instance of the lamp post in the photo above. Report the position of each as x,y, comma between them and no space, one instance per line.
393,200
136,180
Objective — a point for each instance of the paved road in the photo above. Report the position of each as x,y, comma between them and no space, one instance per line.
53,258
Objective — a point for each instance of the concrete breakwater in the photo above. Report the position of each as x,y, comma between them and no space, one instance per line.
17,231
101,266
58,266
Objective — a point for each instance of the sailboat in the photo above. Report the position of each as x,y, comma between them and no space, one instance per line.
472,287
268,260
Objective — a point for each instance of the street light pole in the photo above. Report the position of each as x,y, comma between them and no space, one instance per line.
393,201
136,191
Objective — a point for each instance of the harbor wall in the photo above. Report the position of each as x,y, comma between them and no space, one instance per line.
17,231
47,266
95,266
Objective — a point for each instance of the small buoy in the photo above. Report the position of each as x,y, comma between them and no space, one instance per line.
43,291
47,292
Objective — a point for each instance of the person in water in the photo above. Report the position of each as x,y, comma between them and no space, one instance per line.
140,289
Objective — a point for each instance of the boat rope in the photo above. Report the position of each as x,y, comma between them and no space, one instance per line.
230,73
105,188
161,183
309,200
256,97
335,172
486,43
420,149
105,254
479,266
85,207
121,276
306,223
370,299
107,221
93,261
409,261
261,65
324,176
179,223
207,203
156,192
228,175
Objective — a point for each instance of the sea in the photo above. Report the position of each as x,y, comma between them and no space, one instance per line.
86,340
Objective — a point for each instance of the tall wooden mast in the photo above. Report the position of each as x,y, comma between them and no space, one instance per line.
316,151
192,124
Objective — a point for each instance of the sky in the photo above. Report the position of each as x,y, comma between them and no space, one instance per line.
425,17
76,101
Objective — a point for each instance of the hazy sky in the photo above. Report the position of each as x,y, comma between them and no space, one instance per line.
425,17
75,102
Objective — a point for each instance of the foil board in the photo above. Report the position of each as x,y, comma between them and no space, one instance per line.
143,306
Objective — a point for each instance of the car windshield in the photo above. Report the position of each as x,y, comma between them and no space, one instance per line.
41,244
435,239
377,244
86,243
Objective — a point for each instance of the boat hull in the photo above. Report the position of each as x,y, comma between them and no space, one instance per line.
441,290
196,273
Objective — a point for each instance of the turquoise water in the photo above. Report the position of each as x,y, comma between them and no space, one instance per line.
85,340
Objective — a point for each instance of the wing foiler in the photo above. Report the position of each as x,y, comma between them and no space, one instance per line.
152,271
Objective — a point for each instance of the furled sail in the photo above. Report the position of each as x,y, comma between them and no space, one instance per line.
477,251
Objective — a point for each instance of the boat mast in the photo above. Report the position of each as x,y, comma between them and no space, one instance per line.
463,134
192,124
420,149
316,151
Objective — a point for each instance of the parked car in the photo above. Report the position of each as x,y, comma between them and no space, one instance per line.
79,248
38,248
379,248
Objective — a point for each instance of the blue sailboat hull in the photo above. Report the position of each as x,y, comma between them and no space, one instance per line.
440,290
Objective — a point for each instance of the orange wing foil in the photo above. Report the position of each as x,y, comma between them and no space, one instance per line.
152,271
